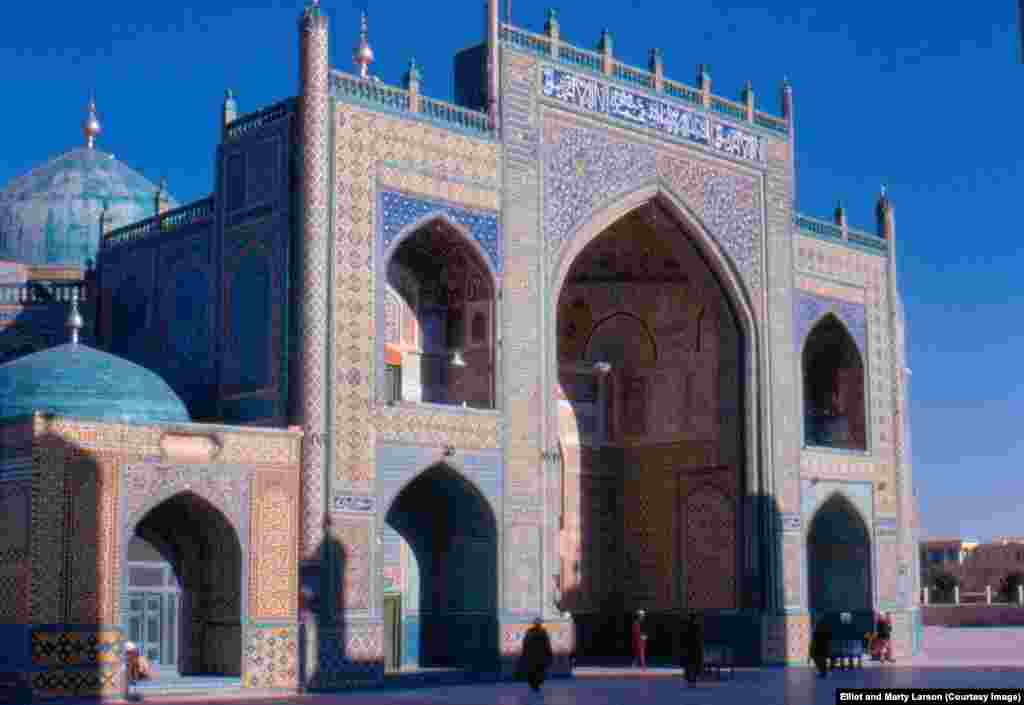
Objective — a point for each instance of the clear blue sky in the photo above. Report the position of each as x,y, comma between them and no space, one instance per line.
885,92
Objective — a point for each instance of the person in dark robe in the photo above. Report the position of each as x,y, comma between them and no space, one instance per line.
884,629
537,655
821,647
639,640
693,649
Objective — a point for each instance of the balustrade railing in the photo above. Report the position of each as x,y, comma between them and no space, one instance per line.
822,228
376,93
574,56
163,223
260,118
628,74
866,240
831,231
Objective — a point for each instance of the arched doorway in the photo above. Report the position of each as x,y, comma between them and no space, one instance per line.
203,550
839,559
448,615
650,366
834,412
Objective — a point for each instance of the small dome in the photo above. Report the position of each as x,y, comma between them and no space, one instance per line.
51,215
82,382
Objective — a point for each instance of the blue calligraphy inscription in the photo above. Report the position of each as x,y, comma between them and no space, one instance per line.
588,94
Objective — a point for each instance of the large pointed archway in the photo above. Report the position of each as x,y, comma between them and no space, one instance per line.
654,337
448,612
205,554
839,559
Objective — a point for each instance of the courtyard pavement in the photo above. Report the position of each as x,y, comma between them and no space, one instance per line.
952,658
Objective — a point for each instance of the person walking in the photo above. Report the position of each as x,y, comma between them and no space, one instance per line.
639,641
693,649
821,647
537,655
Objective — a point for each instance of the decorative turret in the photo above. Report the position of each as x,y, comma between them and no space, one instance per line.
91,127
787,103
229,111
656,65
704,83
747,96
840,215
161,202
551,27
363,54
411,82
886,216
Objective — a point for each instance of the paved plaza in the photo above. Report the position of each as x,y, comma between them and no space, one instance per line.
952,658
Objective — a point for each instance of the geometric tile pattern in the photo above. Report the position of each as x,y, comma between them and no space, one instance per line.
341,664
14,579
353,537
274,591
149,484
92,537
72,684
586,169
435,427
793,555
399,210
367,147
271,657
710,550
313,264
810,309
76,648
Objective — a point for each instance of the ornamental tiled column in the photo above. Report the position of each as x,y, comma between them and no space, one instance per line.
311,410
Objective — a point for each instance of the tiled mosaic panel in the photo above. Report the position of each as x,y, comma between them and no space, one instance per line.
650,498
399,210
15,517
274,576
888,571
793,555
811,308
313,268
353,537
86,648
47,592
773,640
586,170
366,145
562,642
92,490
271,657
149,484
14,579
798,638
437,427
234,445
349,656
522,569
710,549
84,683
864,275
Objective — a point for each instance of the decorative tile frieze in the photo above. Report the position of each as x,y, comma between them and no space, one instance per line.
811,308
399,210
358,504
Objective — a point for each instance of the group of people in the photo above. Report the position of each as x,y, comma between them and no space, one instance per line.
878,643
537,655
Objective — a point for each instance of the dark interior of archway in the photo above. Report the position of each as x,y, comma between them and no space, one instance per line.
453,533
834,413
839,560
441,301
203,547
666,417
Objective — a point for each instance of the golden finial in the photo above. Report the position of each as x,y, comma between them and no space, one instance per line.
91,127
363,54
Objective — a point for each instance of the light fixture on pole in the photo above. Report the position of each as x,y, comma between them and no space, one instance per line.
457,360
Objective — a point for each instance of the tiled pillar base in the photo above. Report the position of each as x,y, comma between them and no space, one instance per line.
512,633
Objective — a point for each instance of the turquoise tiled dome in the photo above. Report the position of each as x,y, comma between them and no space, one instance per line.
82,382
51,215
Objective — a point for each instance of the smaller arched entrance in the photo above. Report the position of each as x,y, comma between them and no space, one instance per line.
839,559
201,634
448,616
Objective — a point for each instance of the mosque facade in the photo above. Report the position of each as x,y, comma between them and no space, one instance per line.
417,373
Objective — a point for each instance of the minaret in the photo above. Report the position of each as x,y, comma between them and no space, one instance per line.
228,113
91,127
362,55
312,247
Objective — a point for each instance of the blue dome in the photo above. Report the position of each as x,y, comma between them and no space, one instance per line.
85,383
51,215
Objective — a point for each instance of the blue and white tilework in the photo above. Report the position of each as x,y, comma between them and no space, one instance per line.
811,307
583,170
399,210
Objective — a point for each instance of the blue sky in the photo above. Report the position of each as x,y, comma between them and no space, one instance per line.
884,93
